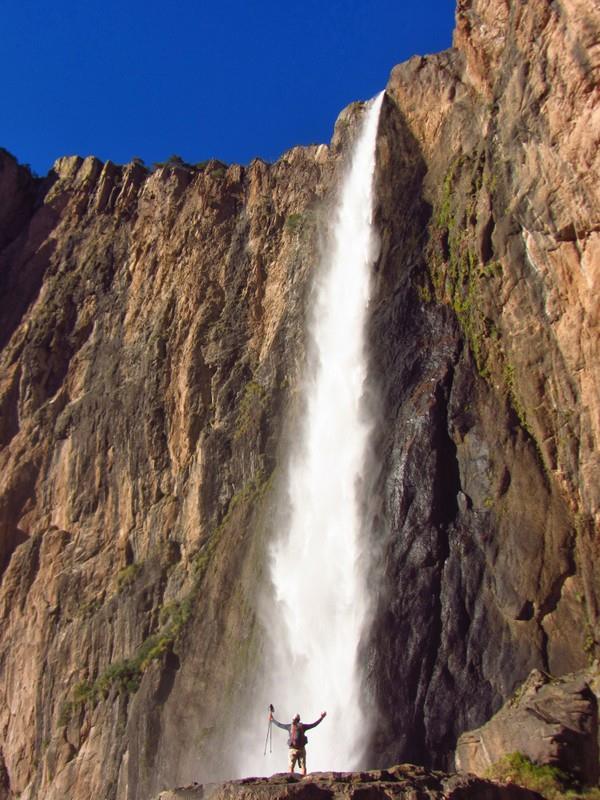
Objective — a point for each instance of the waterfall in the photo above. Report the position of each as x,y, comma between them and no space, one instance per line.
316,569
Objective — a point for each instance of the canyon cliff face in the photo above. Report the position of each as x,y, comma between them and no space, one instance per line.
153,337
490,486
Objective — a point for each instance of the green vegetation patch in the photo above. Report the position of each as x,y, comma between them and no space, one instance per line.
300,221
551,782
127,575
251,493
460,279
518,407
457,275
251,407
126,675
211,167
293,222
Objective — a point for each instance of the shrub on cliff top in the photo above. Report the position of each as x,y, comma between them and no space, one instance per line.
172,161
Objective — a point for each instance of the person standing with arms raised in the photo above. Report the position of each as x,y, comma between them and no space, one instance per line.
297,739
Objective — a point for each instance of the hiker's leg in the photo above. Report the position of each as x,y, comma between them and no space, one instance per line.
292,759
302,761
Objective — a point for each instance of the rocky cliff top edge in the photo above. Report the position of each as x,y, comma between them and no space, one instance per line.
402,780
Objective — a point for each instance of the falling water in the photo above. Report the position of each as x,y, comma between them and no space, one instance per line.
316,570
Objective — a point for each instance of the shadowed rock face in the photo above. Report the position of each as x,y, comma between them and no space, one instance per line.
488,529
152,332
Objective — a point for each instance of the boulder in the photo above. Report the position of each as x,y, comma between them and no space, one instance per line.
551,721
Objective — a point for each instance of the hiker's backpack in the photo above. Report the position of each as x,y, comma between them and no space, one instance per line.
297,736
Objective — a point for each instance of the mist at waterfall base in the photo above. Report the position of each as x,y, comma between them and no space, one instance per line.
320,606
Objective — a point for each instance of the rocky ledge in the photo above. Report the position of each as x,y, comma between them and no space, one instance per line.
402,781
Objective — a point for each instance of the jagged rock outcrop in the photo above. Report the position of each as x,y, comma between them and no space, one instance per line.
551,722
400,781
152,334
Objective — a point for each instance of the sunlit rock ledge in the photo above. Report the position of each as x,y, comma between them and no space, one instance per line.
401,781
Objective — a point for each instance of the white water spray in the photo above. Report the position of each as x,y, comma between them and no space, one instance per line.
318,578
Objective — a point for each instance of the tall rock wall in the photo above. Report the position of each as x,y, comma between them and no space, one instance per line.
490,514
152,343
151,329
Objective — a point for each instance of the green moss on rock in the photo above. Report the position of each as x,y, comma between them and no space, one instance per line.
463,281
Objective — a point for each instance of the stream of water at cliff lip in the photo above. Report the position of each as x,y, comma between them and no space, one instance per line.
321,599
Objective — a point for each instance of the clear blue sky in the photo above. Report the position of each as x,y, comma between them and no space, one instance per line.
229,79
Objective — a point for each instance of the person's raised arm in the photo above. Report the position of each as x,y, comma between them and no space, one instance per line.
314,724
280,724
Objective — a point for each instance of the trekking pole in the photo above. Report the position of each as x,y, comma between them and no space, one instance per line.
269,738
